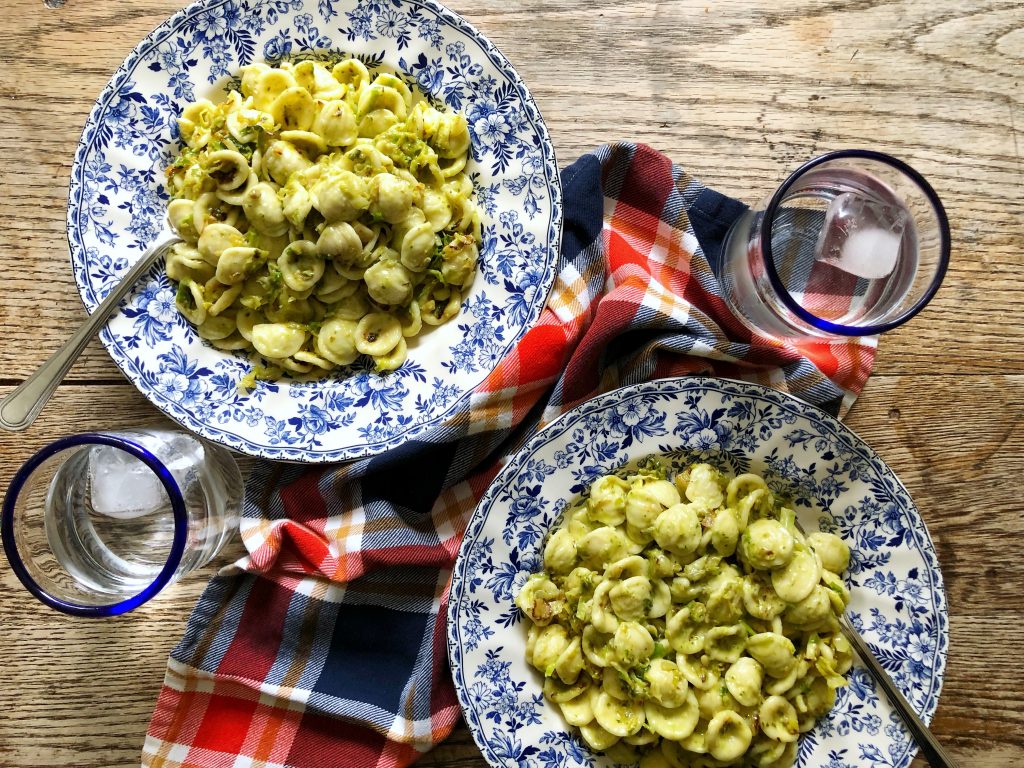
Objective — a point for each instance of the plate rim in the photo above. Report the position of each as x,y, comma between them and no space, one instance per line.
304,454
679,384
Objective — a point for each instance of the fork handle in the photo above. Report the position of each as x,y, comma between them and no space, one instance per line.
930,747
21,407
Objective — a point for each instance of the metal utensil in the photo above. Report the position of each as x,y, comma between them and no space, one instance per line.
20,407
923,737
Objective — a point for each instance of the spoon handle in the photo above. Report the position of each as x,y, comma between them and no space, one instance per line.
930,747
20,407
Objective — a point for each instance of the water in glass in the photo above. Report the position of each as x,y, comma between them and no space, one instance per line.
853,243
844,245
108,518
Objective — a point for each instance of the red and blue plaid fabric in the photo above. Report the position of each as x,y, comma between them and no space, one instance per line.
325,647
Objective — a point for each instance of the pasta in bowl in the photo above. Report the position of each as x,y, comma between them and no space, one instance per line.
631,661
325,215
298,399
677,618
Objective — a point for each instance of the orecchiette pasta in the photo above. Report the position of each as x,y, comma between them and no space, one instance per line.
326,215
684,621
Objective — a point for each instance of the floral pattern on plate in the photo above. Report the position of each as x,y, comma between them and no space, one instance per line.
898,602
117,204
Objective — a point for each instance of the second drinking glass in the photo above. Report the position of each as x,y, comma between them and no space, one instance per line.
853,243
96,524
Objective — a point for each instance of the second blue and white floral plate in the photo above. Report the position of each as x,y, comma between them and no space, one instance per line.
838,484
117,205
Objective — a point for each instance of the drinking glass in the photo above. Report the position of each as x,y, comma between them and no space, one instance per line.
853,243
97,524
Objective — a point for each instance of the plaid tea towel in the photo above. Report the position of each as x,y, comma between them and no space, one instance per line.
325,647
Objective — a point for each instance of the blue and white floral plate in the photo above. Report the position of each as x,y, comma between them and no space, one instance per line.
898,602
117,202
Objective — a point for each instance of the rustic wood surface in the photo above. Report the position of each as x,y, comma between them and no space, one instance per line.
740,92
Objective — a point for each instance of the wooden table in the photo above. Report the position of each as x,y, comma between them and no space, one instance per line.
740,92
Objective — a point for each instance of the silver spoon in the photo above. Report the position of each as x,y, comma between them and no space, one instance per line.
923,737
20,407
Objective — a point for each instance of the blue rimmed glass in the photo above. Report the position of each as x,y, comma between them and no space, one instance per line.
97,524
853,243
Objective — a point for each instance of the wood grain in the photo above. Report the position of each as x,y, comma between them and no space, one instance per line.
740,92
